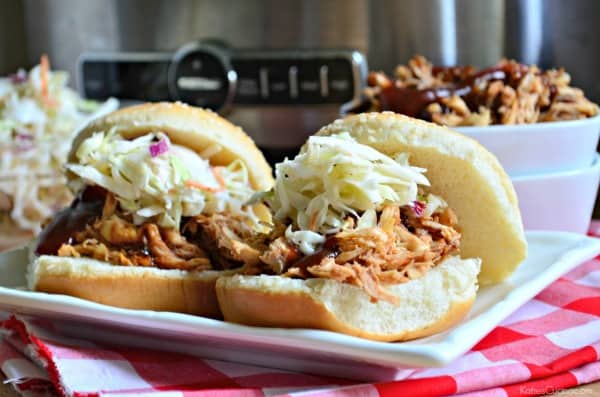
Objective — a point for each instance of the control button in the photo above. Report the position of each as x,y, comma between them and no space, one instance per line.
198,83
324,79
293,77
278,87
310,86
308,82
201,74
340,85
279,82
341,80
264,82
247,87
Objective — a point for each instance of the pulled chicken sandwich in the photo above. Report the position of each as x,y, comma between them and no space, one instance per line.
160,211
369,230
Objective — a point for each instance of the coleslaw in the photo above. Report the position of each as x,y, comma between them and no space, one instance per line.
39,116
333,177
157,181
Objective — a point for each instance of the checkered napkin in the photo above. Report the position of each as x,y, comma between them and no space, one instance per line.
551,343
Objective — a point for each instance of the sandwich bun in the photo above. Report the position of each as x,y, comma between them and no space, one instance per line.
130,287
428,305
214,139
476,188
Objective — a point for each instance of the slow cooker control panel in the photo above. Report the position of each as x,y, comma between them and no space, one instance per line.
217,77
309,80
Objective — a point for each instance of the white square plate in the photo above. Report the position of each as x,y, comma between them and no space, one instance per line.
551,254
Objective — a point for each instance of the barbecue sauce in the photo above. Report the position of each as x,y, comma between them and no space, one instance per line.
329,249
413,101
464,82
84,209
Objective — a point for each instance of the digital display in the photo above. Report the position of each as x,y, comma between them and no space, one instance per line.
144,81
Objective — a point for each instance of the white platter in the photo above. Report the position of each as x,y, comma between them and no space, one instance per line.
551,254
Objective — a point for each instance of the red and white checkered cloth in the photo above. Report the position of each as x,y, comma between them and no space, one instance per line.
551,343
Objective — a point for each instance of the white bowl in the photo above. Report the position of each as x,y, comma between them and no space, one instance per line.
559,200
541,147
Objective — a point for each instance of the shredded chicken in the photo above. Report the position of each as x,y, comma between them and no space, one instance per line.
204,242
117,241
402,247
117,231
507,93
369,281
180,246
110,205
92,248
231,241
113,238
328,268
280,253
165,257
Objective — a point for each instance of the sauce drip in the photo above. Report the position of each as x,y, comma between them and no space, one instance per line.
84,209
329,250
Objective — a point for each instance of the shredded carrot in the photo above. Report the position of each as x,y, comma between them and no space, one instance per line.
313,221
45,67
217,173
44,71
198,185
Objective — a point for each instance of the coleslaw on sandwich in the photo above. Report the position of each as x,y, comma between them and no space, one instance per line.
157,181
335,177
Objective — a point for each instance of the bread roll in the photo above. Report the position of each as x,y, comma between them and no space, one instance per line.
430,304
130,287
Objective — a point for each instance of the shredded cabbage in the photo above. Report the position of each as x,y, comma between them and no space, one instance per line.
333,177
162,187
433,204
38,119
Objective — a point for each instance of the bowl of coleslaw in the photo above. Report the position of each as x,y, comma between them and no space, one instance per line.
39,116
